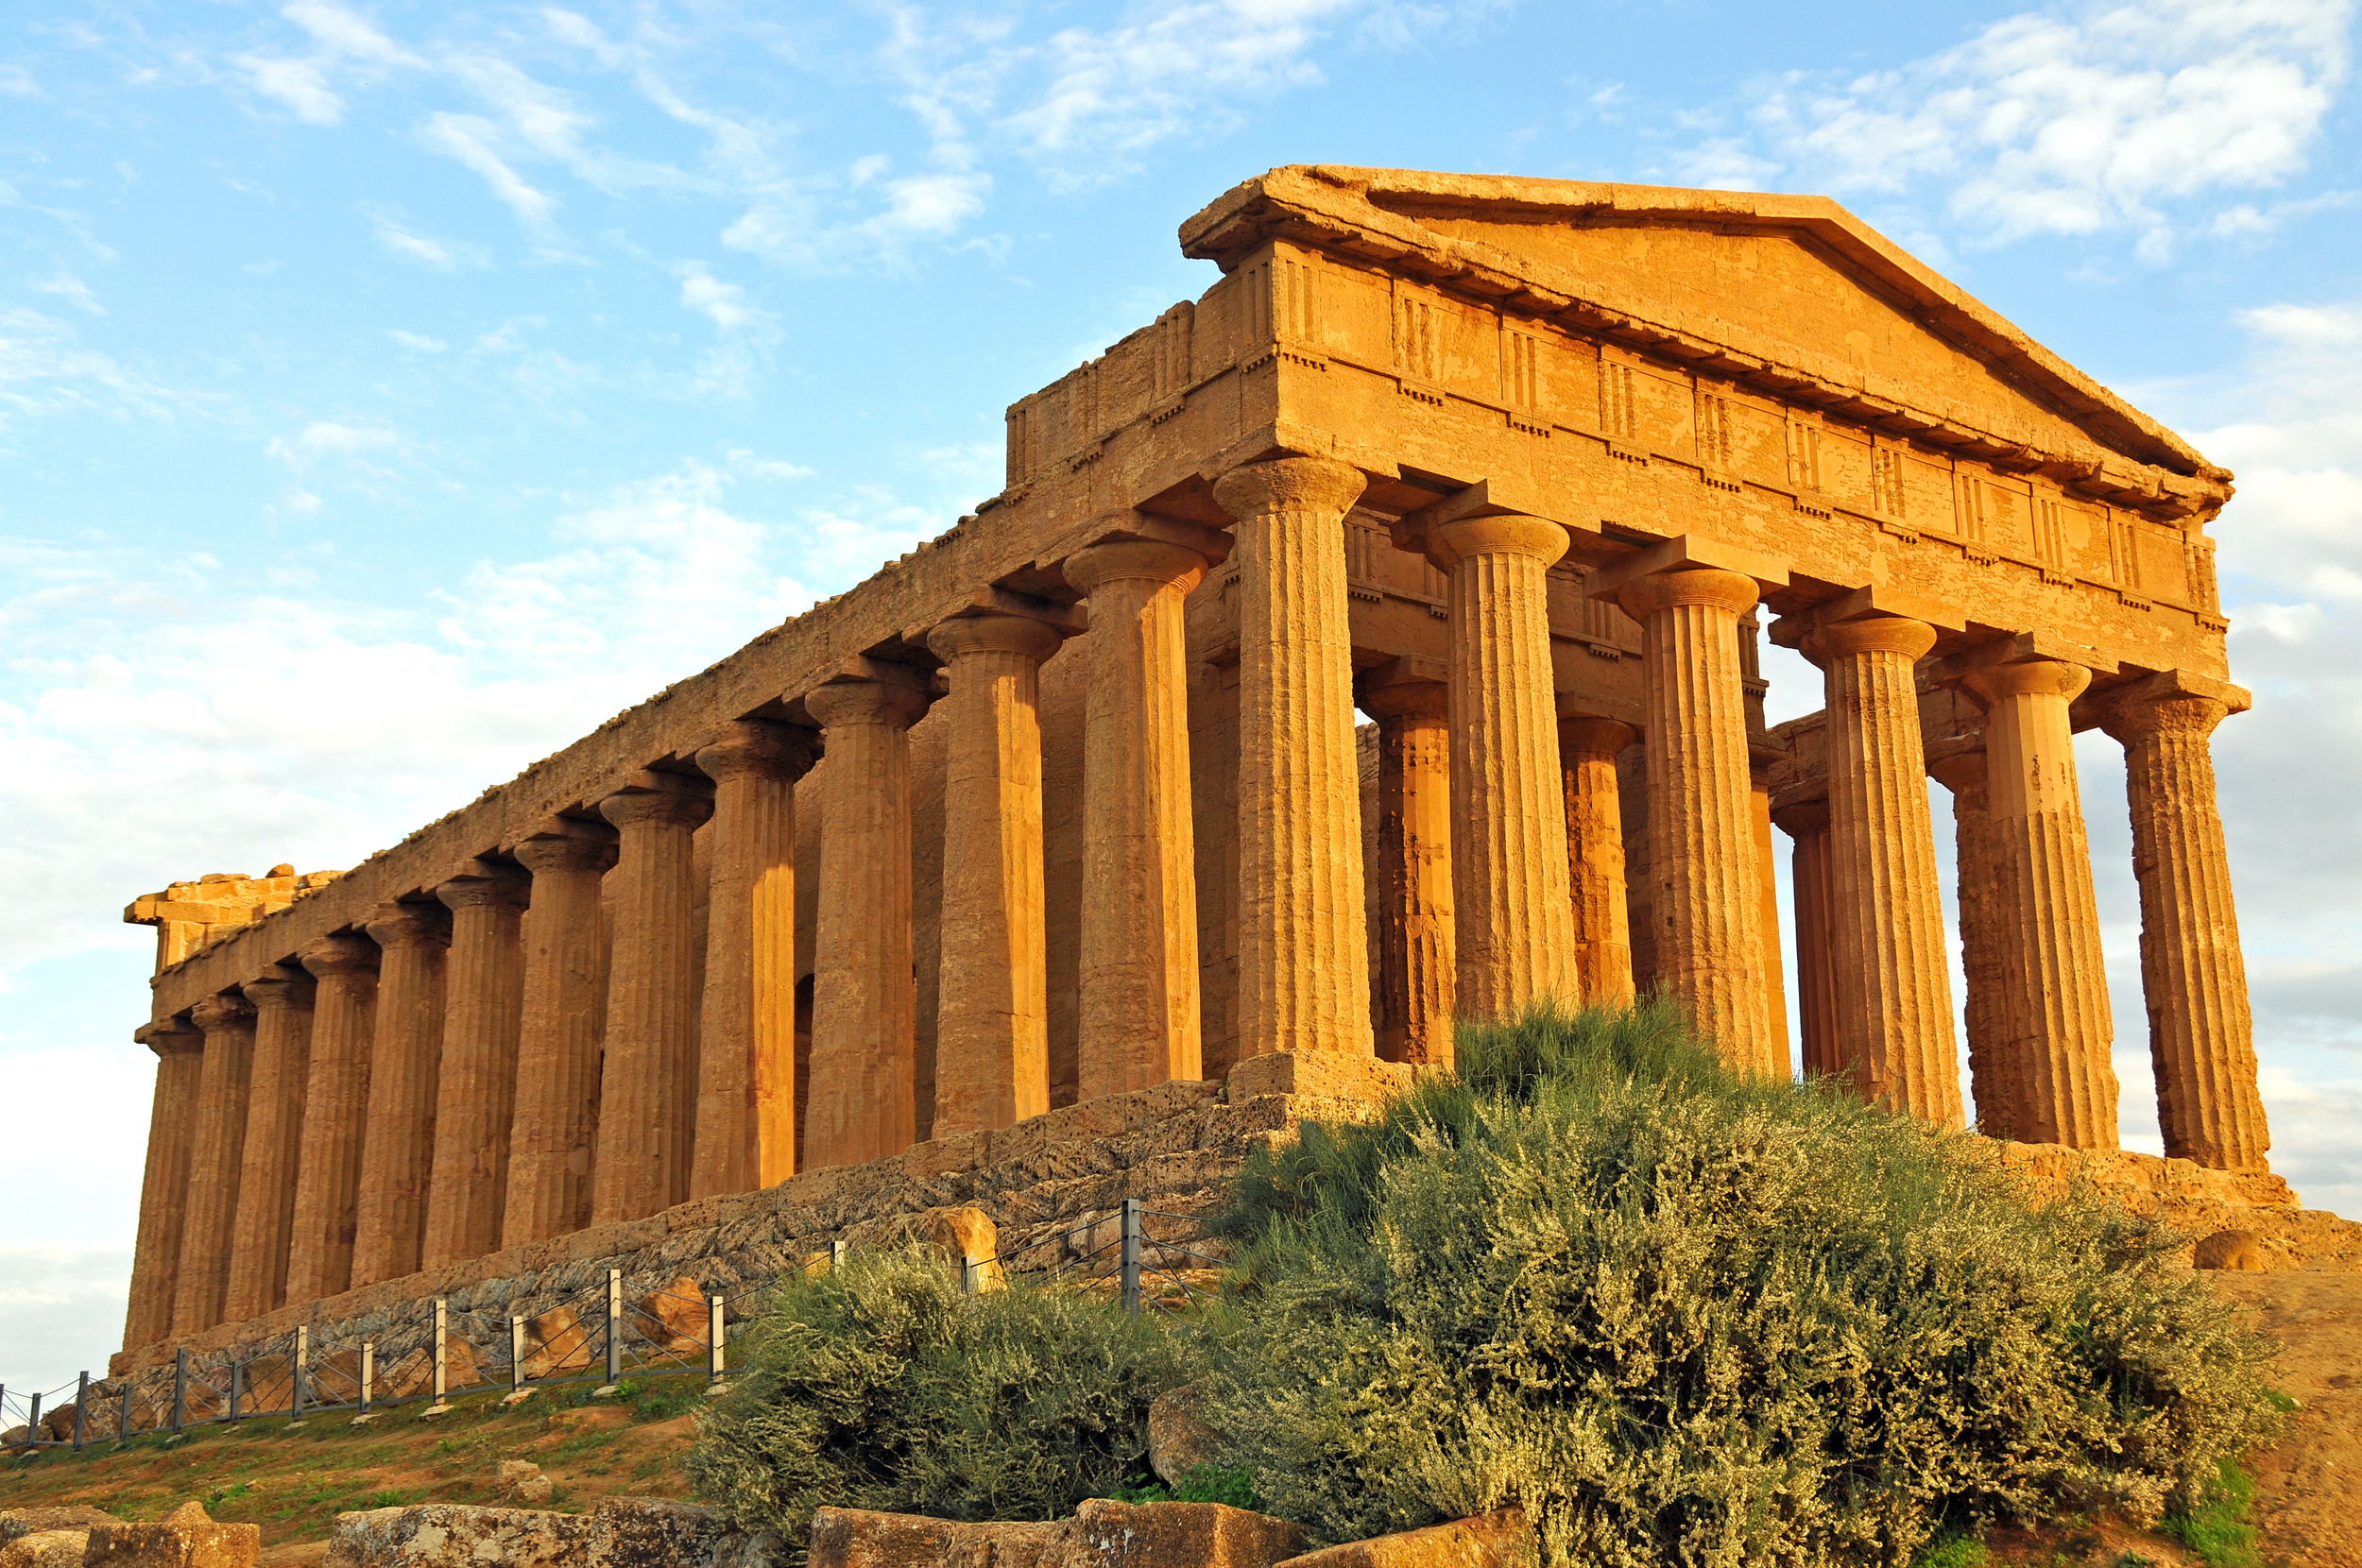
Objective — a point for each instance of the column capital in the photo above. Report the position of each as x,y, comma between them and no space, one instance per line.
865,701
2039,677
1409,687
494,882
1161,562
171,1037
759,747
281,985
338,955
1290,485
2172,702
1801,818
1711,586
225,1011
1877,634
956,638
565,844
1505,533
1961,770
1589,735
394,923
668,799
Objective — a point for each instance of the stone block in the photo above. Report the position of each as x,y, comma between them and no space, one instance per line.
2230,1250
46,1549
1179,1440
856,1538
1328,1074
555,1341
72,1516
673,1318
1105,1534
185,1538
450,1535
522,1480
1501,1540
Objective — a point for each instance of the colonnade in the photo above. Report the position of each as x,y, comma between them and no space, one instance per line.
484,1067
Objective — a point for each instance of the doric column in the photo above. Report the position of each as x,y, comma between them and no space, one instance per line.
556,1118
2201,1039
214,1152
992,1013
649,1069
1886,906
1587,749
274,1139
1702,858
1511,909
1994,1080
746,1120
864,1006
1139,1023
164,1185
398,1156
2059,1030
336,1115
1417,949
1304,981
475,1089
1808,823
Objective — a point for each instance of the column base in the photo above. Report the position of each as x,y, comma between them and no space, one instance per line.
1328,1074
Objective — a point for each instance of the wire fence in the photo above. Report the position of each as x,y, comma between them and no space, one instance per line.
603,1334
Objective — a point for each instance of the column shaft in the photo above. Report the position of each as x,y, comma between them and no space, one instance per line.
1303,953
273,1144
398,1155
1808,823
992,1016
1587,749
475,1086
1995,1079
557,1118
1140,1015
1781,1049
1418,947
336,1112
1702,859
649,1072
865,1020
2201,1037
1512,910
745,1121
2059,1029
214,1163
164,1184
1886,910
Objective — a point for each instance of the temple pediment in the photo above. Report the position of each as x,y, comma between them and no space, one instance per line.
1788,296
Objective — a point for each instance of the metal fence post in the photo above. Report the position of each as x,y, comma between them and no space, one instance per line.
836,1257
614,1327
237,1392
302,1365
443,1318
123,1422
516,1356
181,1391
32,1427
715,1327
1132,1255
368,1371
971,1269
81,1410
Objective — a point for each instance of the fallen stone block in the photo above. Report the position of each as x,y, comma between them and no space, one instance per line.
1501,1540
1105,1534
656,1532
72,1516
1179,1440
452,1535
857,1537
185,1538
522,1480
46,1549
2232,1250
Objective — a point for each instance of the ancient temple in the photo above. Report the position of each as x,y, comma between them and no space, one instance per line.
1070,801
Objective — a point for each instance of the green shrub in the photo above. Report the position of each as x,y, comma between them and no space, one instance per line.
2214,1524
1686,1318
879,1385
1205,1484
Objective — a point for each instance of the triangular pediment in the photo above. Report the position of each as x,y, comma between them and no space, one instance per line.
1793,293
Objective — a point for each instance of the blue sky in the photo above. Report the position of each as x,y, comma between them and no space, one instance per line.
390,393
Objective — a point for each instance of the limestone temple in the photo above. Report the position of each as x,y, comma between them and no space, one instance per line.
1070,801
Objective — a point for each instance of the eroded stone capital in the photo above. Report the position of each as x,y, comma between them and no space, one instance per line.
864,702
1882,633
226,1011
396,925
1534,539
1803,818
1411,699
1962,770
633,806
279,987
1129,560
493,883
759,747
2135,717
338,955
1584,736
589,849
954,640
1290,485
2040,678
1711,587
173,1037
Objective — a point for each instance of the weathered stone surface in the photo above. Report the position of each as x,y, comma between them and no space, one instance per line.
856,1538
449,1535
1179,1441
1105,1534
185,1538
2232,1250
46,1549
522,1480
1501,1540
70,1516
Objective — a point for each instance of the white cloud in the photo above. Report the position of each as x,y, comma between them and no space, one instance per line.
44,369
2105,117
441,255
725,303
417,342
475,141
300,84
72,289
329,438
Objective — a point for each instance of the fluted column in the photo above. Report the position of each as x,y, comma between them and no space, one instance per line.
1304,980
992,1016
475,1086
336,1110
1138,977
274,1139
556,1120
864,1006
1702,859
2202,1038
746,1120
215,1153
1587,749
1996,1080
1885,908
1417,947
2059,1030
1808,823
649,1070
398,1154
1512,911
165,1183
